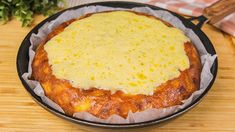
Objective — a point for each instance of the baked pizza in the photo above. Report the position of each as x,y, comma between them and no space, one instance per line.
114,62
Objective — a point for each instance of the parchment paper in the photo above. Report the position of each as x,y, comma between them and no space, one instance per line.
149,114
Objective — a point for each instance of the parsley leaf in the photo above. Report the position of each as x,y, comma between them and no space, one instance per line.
24,10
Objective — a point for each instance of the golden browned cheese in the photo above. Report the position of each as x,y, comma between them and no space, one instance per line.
101,103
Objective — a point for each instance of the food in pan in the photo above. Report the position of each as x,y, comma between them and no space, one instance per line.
115,62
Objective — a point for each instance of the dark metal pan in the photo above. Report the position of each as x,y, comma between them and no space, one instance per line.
23,59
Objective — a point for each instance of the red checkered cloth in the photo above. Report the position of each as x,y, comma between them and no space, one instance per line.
186,7
195,8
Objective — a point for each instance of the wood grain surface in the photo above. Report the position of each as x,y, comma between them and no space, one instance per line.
19,112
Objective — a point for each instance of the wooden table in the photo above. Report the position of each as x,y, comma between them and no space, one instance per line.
19,112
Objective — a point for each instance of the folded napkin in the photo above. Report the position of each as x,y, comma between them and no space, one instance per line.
195,8
186,7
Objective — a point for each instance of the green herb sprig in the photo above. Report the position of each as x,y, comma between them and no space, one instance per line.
24,10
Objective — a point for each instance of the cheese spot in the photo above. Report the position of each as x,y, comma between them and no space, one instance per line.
118,50
141,76
83,105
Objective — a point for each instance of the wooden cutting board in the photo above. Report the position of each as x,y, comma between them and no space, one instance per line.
19,112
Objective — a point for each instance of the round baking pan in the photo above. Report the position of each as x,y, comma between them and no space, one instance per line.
23,59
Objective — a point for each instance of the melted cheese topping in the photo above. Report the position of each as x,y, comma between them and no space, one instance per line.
118,51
